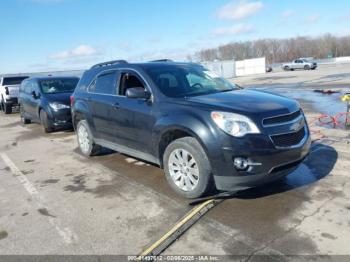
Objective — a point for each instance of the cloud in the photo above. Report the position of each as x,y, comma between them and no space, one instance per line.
78,52
287,13
238,29
313,18
238,10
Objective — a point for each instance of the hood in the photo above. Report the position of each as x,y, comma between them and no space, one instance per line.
63,98
249,102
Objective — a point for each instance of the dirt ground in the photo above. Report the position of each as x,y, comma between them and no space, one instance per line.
53,201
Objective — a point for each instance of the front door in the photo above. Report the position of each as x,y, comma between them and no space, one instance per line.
134,121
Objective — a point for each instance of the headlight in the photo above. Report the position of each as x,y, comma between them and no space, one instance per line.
58,106
234,124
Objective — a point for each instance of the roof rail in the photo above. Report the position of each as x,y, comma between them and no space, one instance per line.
162,60
109,63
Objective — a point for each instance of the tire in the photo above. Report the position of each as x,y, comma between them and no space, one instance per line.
24,120
45,122
86,143
7,109
286,68
306,67
189,176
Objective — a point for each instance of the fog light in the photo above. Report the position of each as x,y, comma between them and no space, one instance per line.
241,163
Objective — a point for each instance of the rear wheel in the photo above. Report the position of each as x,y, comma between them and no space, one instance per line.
187,168
286,68
24,120
85,140
45,122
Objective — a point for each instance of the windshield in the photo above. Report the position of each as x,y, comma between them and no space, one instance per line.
53,86
183,81
8,81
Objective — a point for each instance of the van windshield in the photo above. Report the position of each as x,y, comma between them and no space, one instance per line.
54,86
187,80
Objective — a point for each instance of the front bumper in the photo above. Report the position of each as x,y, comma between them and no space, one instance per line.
275,162
61,119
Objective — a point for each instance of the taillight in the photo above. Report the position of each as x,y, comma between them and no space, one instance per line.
7,92
71,100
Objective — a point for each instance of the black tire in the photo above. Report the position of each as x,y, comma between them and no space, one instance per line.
92,149
7,109
306,67
24,120
45,122
205,181
286,68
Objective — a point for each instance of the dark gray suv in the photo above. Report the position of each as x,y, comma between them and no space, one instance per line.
204,131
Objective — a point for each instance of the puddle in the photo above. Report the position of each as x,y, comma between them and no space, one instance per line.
323,103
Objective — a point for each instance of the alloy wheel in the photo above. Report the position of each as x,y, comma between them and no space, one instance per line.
183,169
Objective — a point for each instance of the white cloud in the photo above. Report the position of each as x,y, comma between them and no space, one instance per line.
313,18
238,29
78,52
237,10
287,13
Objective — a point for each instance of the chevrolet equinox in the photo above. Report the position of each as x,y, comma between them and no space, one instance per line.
201,129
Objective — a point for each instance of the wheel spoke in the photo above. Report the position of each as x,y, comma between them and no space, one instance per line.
192,178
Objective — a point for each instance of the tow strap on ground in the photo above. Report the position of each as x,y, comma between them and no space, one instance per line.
204,205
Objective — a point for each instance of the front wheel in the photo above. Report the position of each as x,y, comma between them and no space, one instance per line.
24,120
45,122
187,168
85,140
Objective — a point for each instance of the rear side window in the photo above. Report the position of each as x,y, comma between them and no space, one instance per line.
105,84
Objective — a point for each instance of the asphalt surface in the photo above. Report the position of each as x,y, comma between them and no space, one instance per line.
55,201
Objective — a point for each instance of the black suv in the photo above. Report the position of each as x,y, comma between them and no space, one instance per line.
203,130
47,100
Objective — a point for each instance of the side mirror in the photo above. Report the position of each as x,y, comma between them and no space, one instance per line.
137,92
34,95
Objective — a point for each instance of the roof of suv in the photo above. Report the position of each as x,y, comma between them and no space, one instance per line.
123,63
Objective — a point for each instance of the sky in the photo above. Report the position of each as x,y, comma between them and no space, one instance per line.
46,35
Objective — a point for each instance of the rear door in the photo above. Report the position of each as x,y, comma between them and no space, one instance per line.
102,102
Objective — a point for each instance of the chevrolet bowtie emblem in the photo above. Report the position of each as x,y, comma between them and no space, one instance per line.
299,124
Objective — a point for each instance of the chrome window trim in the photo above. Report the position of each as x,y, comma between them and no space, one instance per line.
118,82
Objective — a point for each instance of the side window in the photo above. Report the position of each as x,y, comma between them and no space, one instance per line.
166,81
104,84
129,80
28,87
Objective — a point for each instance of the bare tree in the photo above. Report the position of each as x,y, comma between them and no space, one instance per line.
279,50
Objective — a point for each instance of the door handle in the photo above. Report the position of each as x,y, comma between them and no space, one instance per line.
116,106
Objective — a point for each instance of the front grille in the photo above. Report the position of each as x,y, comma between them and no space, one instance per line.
281,119
287,140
